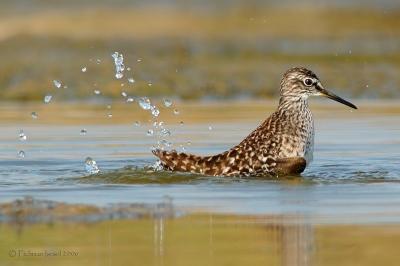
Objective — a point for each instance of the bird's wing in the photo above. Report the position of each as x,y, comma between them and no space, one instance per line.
293,165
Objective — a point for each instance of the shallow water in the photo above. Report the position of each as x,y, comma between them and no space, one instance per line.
343,210
354,177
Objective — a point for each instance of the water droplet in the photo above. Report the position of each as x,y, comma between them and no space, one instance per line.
109,115
154,111
91,166
150,84
167,102
176,112
108,107
137,123
119,64
367,86
84,69
164,142
57,83
122,84
150,132
22,136
165,132
210,128
65,87
129,100
139,60
131,80
34,115
157,166
145,103
188,143
83,132
181,123
47,98
21,154
97,92
98,61
128,69
124,94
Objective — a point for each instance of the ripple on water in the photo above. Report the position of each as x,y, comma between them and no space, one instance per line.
146,175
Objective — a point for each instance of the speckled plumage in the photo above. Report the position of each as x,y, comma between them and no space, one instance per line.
281,145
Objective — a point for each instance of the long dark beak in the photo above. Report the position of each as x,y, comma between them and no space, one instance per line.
332,96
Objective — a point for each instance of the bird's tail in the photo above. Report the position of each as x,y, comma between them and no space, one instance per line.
174,161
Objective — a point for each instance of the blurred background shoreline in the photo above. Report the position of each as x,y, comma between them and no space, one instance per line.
196,51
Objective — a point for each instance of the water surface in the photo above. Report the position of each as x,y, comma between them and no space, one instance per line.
354,177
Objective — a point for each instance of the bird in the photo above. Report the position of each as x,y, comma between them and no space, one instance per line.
282,145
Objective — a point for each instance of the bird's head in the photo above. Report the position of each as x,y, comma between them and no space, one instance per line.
299,82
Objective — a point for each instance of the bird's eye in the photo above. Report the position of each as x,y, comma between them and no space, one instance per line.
308,82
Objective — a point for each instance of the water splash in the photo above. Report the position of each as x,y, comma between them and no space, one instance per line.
47,98
167,103
97,92
91,166
145,103
157,166
154,111
119,64
57,84
21,154
22,136
83,69
83,132
131,80
165,132
165,143
150,132
176,112
34,115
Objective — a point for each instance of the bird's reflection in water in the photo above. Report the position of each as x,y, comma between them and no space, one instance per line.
158,235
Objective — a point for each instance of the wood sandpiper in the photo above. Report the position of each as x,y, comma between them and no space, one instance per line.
282,145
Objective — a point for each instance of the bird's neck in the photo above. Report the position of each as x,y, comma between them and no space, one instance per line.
296,104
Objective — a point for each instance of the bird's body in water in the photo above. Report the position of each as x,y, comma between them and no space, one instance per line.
282,145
